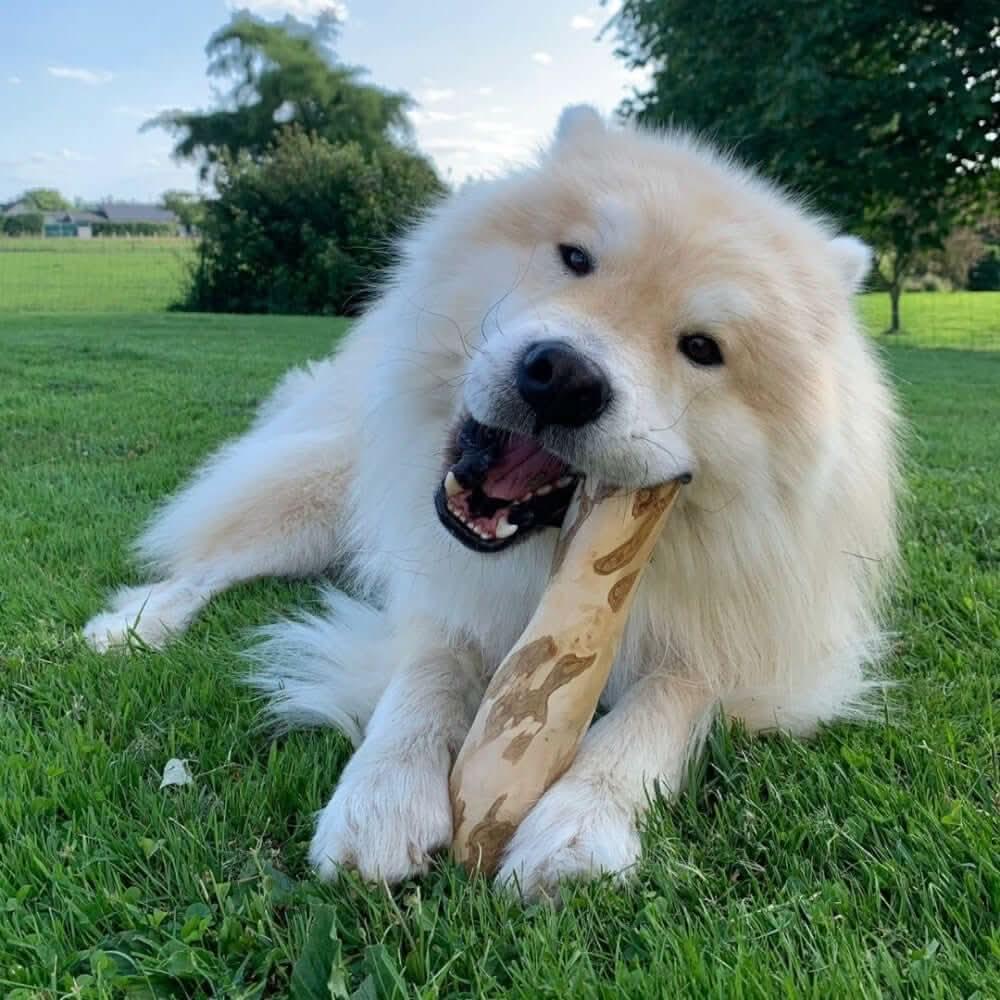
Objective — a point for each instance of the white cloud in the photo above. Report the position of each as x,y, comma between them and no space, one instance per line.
66,155
488,146
580,22
420,117
485,91
504,128
14,80
434,95
93,77
482,155
500,109
305,10
542,58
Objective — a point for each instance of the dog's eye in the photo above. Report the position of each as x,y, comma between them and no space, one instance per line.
701,349
576,259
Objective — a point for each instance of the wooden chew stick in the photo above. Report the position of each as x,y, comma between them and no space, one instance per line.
543,696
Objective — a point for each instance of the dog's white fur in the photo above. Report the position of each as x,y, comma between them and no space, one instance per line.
763,594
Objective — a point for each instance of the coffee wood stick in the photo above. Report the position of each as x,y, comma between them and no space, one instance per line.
543,696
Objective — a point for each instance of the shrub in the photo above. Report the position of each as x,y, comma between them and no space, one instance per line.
29,224
927,282
984,275
307,228
133,229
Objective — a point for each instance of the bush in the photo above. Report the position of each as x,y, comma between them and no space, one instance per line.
307,228
984,275
133,229
927,282
29,224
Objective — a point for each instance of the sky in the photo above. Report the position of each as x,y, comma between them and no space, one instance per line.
77,80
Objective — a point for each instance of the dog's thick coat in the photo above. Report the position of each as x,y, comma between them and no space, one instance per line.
764,592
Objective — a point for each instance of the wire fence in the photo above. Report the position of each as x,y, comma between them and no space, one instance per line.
149,275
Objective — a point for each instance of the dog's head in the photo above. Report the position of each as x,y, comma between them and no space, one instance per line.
637,308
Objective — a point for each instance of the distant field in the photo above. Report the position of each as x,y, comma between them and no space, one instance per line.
938,319
147,275
99,275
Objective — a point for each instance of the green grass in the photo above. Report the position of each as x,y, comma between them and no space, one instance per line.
148,275
969,320
863,864
99,275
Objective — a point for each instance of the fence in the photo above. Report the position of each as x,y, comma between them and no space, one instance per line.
135,275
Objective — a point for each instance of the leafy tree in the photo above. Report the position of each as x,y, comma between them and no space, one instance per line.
45,200
186,205
26,224
307,226
281,74
885,112
963,249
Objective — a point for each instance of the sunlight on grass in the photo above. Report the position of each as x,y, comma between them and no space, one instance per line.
99,275
862,864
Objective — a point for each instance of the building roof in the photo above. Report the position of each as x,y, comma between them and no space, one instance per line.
125,211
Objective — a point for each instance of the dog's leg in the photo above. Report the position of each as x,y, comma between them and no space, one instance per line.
586,823
391,809
266,505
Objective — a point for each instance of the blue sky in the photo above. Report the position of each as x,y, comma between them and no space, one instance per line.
77,80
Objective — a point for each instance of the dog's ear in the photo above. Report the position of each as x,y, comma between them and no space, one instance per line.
853,259
578,121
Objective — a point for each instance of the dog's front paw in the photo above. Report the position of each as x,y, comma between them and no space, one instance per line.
386,818
575,831
151,614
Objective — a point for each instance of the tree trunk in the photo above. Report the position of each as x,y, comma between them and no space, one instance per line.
895,289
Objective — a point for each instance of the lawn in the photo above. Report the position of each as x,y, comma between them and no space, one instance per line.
863,864
111,274
148,275
969,320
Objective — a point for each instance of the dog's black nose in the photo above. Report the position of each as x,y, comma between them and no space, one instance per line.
561,385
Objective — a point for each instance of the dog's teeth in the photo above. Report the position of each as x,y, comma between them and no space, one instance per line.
451,484
504,528
543,491
564,482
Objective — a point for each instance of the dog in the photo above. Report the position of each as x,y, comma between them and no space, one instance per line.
635,306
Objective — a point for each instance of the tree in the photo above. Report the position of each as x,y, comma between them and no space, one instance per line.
45,200
25,224
962,250
281,74
885,113
186,205
307,226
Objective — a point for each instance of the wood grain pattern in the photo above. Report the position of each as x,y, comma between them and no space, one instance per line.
543,696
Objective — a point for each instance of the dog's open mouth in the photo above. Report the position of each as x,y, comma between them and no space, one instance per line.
498,487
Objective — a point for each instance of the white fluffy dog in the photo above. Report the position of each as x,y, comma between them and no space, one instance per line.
635,307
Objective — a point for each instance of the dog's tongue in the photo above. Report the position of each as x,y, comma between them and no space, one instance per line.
523,467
